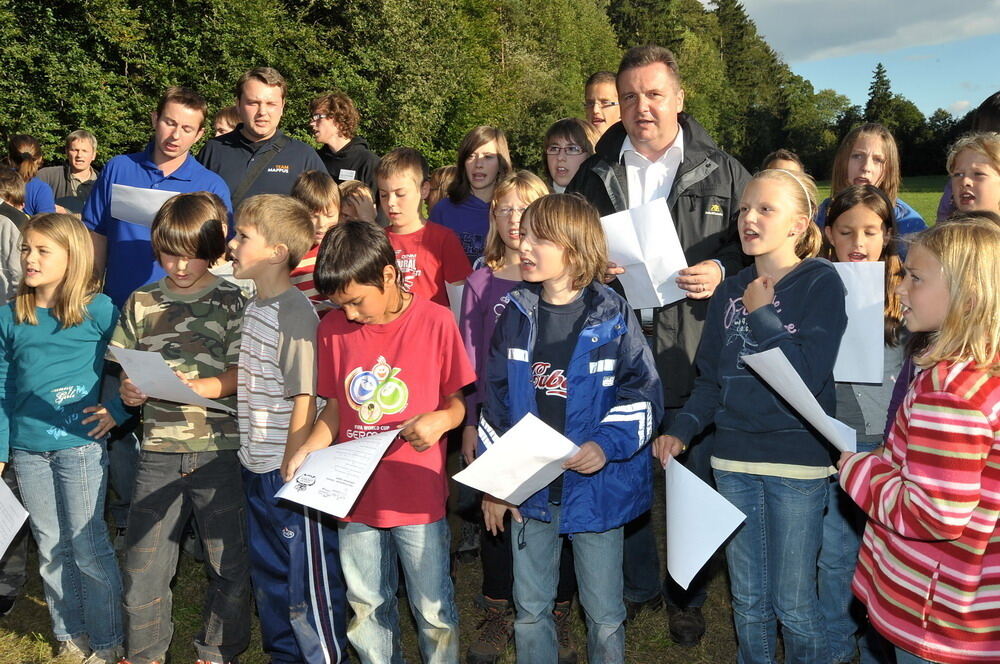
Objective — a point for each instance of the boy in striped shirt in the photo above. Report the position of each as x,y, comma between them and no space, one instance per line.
294,552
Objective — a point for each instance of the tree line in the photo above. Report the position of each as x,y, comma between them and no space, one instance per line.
423,73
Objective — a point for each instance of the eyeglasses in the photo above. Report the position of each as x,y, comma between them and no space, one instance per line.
603,103
570,150
316,117
506,212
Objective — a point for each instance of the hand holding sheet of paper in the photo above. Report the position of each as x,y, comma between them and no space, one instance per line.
523,461
862,348
778,372
699,520
150,373
644,242
330,480
137,205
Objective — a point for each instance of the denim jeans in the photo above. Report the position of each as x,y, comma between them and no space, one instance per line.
14,566
598,559
772,566
168,489
843,525
123,453
906,657
369,558
64,494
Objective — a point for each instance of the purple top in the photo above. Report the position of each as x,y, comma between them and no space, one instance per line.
470,220
947,204
483,300
906,375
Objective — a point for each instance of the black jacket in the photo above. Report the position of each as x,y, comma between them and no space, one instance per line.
355,161
704,203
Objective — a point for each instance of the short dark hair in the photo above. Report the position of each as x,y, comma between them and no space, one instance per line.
191,225
640,56
185,97
341,110
11,187
987,115
353,252
266,75
600,77
783,154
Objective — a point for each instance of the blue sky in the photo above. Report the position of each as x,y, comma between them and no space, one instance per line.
937,54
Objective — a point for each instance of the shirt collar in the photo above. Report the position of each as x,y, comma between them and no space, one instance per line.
183,172
676,148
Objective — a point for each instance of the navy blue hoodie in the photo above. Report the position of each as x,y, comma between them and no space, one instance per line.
752,423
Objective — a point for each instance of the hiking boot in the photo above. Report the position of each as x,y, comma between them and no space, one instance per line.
562,614
495,631
687,626
73,651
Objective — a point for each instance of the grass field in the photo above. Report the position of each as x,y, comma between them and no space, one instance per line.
922,194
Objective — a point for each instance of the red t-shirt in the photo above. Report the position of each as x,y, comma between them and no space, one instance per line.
381,376
428,258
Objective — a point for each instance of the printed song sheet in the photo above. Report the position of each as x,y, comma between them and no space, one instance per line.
862,347
12,515
137,205
151,374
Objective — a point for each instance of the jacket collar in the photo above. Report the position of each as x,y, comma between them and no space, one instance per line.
603,307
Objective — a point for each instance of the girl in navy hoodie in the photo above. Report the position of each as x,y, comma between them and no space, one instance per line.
767,462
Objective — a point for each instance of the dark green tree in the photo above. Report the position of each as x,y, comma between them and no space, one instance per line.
879,105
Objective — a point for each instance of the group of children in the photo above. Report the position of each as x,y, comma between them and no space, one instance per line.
328,328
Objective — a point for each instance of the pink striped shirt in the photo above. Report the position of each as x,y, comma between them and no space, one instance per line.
929,567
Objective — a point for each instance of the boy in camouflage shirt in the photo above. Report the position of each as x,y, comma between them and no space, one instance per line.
188,460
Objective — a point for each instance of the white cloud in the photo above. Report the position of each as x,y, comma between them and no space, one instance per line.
959,108
803,30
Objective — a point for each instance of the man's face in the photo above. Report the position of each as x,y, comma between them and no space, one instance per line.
80,155
650,98
260,107
176,129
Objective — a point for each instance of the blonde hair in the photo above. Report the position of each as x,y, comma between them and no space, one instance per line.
441,178
280,220
986,143
317,190
891,177
525,185
802,189
569,221
78,285
969,253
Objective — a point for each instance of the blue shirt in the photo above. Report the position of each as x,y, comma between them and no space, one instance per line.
38,197
50,374
908,220
131,262
470,220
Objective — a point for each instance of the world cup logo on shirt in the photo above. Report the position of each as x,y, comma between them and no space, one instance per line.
376,392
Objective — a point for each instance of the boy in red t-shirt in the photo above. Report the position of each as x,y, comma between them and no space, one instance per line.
320,193
428,254
390,359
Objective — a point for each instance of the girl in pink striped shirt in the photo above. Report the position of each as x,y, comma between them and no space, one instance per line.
929,567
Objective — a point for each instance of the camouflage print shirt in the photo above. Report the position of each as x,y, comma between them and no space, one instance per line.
198,335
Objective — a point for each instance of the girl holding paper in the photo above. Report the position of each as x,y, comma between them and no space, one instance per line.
53,336
860,227
601,392
929,567
766,461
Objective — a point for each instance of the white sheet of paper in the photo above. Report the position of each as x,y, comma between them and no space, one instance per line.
862,348
455,298
523,461
699,520
331,480
12,516
151,374
137,205
778,372
644,241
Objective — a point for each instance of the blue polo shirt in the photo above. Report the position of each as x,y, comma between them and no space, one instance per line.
131,262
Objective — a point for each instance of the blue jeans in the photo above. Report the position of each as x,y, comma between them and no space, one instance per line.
123,454
368,556
772,566
843,615
906,657
64,494
598,560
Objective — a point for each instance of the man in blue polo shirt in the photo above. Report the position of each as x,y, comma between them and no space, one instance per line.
122,247
257,157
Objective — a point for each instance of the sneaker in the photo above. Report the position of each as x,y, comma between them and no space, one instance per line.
562,613
687,626
106,656
7,605
496,629
73,651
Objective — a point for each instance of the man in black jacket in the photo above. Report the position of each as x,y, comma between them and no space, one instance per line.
334,121
657,151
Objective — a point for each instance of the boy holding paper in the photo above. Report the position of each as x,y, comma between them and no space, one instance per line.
187,464
390,359
294,560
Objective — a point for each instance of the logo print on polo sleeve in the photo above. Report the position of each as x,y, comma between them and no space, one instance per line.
376,392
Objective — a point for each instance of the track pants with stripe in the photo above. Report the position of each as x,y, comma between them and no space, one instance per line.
297,580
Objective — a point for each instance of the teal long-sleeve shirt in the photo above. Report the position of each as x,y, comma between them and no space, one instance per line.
50,374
